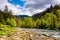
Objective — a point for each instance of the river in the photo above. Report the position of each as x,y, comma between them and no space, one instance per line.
52,33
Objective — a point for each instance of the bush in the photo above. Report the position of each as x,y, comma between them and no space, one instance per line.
6,30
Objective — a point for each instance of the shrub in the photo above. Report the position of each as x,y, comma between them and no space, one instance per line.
6,30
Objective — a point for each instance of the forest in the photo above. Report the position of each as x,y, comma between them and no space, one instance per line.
48,19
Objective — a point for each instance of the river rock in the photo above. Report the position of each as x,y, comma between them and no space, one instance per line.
26,35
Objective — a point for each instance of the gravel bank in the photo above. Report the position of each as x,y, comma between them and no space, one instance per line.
26,35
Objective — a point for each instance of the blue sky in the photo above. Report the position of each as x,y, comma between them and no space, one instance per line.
17,2
27,7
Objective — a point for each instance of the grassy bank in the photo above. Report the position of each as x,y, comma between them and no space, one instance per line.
6,30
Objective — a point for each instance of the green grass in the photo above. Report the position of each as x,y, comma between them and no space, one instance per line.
6,30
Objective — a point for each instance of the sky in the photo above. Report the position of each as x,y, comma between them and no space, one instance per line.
27,7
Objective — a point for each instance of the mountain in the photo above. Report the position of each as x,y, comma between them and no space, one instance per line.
48,10
21,16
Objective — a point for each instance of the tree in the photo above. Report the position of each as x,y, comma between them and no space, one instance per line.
11,22
19,21
57,25
29,23
58,19
38,23
6,8
7,13
50,19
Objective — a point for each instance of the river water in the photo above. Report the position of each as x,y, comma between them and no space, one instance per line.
52,33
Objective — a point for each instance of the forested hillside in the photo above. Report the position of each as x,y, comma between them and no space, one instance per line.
50,18
52,9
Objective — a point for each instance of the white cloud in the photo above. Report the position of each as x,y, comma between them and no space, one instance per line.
15,9
31,6
35,6
57,1
2,4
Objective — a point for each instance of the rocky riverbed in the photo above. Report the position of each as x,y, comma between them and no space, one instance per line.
26,35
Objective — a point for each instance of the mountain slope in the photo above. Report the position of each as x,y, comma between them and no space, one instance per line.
48,10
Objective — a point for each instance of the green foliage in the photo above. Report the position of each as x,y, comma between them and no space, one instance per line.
23,24
28,23
11,22
50,19
6,18
6,30
19,23
38,23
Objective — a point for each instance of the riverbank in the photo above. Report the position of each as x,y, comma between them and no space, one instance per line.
26,35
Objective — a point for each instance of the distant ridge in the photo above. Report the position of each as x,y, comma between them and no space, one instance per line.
21,16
